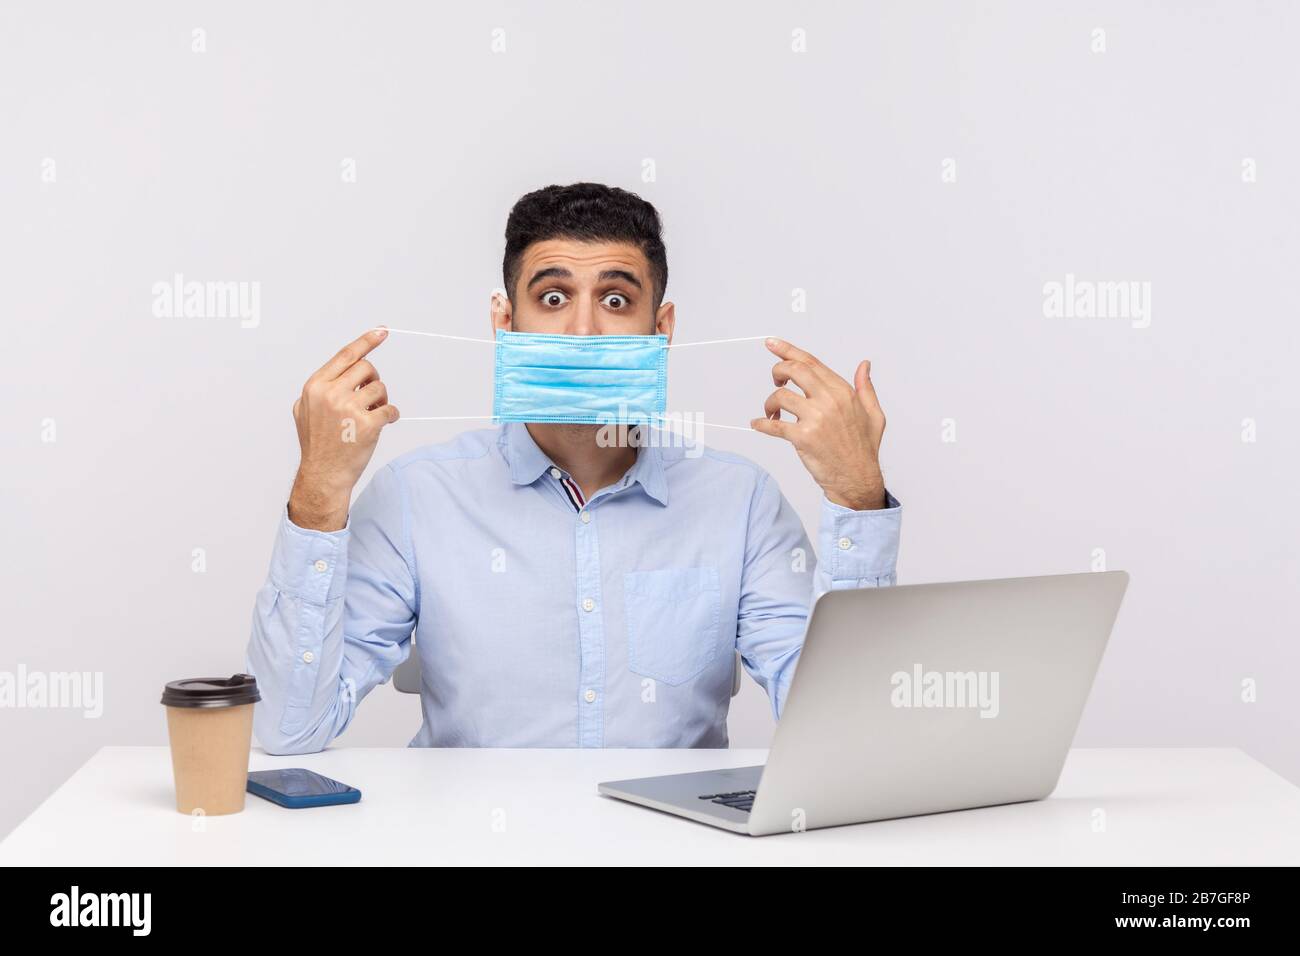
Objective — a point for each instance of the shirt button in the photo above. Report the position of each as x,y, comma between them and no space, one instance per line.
588,604
586,517
589,696
555,473
308,657
321,566
845,544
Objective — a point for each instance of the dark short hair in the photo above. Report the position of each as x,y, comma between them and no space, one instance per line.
587,212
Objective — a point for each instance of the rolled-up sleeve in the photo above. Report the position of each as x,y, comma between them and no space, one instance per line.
332,621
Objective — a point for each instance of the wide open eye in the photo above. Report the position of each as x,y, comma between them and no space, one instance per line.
553,298
615,300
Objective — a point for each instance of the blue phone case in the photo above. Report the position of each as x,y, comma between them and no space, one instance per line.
339,792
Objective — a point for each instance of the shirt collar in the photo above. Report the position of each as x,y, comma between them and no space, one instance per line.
648,470
527,462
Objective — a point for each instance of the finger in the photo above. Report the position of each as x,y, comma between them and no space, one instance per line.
799,372
389,413
783,399
359,375
773,427
785,350
350,354
820,372
373,395
862,384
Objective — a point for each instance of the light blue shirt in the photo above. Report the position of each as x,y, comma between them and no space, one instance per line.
542,624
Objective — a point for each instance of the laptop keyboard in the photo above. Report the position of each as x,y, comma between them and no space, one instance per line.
740,800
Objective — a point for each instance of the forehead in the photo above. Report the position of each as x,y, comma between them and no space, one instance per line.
583,258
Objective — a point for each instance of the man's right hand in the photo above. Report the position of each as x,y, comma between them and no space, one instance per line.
342,409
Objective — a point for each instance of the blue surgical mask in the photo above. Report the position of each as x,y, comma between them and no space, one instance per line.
593,379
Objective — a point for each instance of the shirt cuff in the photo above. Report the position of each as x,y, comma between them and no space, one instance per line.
310,565
860,545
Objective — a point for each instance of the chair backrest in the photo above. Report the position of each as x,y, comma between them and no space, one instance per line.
406,678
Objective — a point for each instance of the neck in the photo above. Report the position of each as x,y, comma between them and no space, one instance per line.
575,449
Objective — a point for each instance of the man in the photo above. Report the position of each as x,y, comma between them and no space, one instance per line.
569,592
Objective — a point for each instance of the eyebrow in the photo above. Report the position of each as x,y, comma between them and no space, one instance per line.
559,272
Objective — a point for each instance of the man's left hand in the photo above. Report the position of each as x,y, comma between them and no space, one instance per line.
837,428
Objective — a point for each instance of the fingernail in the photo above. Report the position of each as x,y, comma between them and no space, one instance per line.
771,342
379,333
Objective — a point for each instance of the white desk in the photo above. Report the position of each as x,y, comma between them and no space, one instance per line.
441,806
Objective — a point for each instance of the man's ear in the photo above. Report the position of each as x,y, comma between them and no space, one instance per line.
666,320
500,312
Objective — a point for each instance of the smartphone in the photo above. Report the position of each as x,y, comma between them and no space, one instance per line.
296,787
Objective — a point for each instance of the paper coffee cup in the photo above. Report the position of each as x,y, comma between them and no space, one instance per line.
210,724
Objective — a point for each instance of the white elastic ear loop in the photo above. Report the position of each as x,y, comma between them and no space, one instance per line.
747,338
434,335
465,338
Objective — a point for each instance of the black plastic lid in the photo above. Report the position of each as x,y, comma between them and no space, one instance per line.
212,691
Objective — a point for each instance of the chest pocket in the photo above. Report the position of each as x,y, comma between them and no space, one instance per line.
672,622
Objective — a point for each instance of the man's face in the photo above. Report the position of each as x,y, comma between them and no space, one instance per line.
567,287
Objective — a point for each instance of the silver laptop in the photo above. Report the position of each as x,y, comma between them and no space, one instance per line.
915,699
